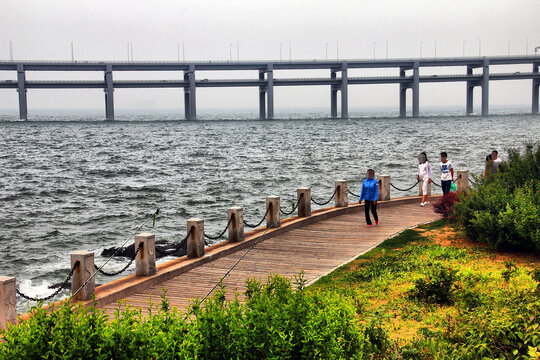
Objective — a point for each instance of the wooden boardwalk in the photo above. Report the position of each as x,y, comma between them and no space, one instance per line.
315,248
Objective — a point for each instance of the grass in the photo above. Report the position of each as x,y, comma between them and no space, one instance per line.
484,284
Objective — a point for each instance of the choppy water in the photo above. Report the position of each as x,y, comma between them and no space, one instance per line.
87,185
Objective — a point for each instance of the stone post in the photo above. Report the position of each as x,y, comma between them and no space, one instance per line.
273,202
8,301
342,196
463,180
82,274
236,229
420,189
304,203
145,261
384,187
195,241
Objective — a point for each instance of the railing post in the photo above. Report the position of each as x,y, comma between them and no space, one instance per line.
342,196
420,192
236,228
145,261
303,196
462,180
273,217
384,187
195,241
82,274
8,301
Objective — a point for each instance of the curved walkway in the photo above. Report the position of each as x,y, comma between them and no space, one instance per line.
315,248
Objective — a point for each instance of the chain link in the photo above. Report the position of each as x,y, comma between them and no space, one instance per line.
294,207
60,287
223,232
353,194
324,203
398,189
260,222
121,270
434,183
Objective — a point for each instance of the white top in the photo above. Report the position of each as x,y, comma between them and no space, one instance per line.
445,170
496,163
424,170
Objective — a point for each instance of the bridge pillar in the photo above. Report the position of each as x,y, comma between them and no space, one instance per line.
192,98
145,261
21,88
262,97
187,106
344,92
82,275
535,90
109,90
470,93
342,195
8,302
272,219
462,180
333,96
402,95
303,196
384,187
270,90
416,90
236,228
195,241
485,88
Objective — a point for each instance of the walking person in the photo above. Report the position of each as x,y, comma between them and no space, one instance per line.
424,176
447,173
370,196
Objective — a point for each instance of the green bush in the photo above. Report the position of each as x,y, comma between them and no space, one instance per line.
275,322
504,209
436,286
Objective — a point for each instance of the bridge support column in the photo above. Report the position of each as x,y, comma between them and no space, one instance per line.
344,92
270,91
384,187
535,91
303,196
21,88
262,97
485,88
272,219
8,302
342,195
462,180
192,90
145,261
109,90
195,241
236,228
83,275
416,90
402,95
333,96
187,106
470,93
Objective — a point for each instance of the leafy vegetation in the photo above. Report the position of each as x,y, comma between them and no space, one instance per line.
432,294
504,209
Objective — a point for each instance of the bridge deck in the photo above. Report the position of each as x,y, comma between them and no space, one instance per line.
315,248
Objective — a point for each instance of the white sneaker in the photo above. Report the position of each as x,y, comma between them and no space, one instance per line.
426,203
422,204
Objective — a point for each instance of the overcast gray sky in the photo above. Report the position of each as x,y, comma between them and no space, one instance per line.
101,29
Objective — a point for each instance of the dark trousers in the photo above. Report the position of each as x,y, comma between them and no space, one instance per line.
370,204
445,184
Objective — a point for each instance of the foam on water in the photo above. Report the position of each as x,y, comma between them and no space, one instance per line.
87,185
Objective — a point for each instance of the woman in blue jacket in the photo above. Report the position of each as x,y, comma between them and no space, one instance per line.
370,194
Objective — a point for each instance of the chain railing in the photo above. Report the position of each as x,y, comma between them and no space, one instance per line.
294,207
410,188
103,272
326,202
353,194
61,287
222,233
260,222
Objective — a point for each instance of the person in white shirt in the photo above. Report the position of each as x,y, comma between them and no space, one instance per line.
495,161
447,173
424,176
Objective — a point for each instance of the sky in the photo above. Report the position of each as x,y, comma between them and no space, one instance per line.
256,30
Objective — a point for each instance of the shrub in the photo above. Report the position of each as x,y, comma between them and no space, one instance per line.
436,286
445,205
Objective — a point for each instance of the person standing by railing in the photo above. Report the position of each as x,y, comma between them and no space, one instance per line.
447,173
370,195
424,176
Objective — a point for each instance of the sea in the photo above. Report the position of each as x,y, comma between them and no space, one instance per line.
70,183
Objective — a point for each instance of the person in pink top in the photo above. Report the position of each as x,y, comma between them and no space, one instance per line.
424,176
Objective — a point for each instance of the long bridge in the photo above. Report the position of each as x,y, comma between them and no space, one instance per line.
314,242
408,77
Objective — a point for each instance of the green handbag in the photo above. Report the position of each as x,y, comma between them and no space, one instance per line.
453,186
